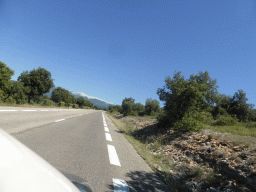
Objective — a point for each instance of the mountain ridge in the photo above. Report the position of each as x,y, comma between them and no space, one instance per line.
96,101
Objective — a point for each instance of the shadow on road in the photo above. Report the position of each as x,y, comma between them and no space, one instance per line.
143,181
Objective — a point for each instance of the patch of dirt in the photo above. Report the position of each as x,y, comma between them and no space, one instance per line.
236,165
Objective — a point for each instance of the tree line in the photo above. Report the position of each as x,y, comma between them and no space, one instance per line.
129,107
189,104
31,86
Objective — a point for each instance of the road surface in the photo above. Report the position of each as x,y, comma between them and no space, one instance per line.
83,143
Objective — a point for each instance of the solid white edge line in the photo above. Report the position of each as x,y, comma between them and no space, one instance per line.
113,158
106,129
120,185
44,110
108,137
7,110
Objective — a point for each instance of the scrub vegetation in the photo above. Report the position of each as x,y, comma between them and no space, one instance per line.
29,90
195,109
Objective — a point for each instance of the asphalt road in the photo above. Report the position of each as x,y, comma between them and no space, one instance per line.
82,143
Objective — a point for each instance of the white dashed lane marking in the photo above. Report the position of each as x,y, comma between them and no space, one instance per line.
60,120
44,110
120,185
113,158
106,129
108,137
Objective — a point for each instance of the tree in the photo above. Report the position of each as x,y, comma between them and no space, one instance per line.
81,101
38,81
152,106
239,106
184,96
61,95
140,109
128,105
17,91
5,76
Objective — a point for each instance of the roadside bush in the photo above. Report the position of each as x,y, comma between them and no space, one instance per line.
2,96
75,106
10,100
204,117
219,111
222,120
142,113
133,113
61,104
68,105
188,124
47,102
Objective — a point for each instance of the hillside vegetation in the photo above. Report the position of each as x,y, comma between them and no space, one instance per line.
200,140
30,87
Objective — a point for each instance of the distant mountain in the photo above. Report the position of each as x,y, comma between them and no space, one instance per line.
96,101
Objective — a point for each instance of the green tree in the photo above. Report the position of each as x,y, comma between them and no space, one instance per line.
140,109
17,91
239,106
183,96
128,106
152,106
5,76
38,81
81,101
61,95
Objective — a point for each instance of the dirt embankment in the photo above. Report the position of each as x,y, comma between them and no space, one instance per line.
198,162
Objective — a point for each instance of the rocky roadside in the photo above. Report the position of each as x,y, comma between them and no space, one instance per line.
200,162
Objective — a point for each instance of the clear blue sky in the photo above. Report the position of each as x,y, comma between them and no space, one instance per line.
115,49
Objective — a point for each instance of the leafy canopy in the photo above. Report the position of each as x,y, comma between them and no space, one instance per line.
180,95
38,81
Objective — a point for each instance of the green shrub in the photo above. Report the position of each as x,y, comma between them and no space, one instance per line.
141,113
68,105
75,106
47,102
2,95
224,120
188,124
31,102
219,111
61,104
10,100
133,113
204,117
210,136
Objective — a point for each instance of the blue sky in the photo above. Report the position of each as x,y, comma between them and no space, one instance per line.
116,49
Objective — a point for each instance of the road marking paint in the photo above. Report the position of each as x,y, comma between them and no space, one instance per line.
28,110
113,158
105,124
108,137
60,120
44,110
8,110
120,185
104,121
54,110
106,129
